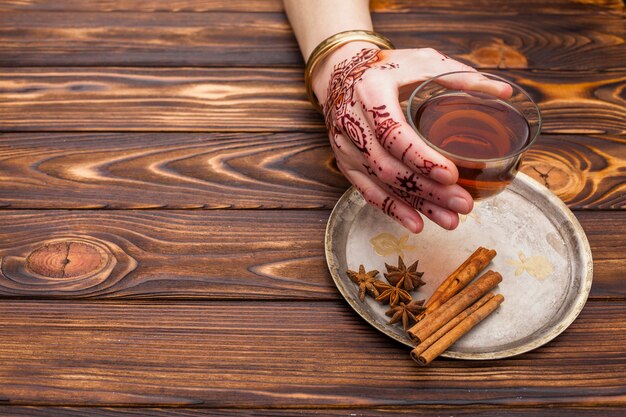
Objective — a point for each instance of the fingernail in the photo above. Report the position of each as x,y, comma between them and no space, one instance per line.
460,205
454,222
445,220
410,224
442,175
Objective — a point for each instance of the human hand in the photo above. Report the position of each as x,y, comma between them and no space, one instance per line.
375,147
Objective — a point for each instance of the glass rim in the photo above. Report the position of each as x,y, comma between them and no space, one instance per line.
451,155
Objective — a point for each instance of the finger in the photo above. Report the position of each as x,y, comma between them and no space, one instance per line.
375,195
368,129
390,171
419,65
451,197
473,82
443,217
398,138
373,191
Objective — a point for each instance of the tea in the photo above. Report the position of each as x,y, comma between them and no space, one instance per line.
475,129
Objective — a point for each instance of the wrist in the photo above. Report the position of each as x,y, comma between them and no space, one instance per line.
322,74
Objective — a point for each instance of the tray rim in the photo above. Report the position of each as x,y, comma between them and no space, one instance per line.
574,310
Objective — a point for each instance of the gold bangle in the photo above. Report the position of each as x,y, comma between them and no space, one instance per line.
330,44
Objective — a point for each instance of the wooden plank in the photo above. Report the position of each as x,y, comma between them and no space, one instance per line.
265,39
273,354
570,97
585,42
500,6
254,170
168,170
219,254
428,411
608,246
271,100
153,39
185,99
380,6
169,254
587,172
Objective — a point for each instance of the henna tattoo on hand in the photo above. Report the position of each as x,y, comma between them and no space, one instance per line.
342,118
417,202
409,183
383,123
405,151
353,128
388,206
426,167
369,170
340,98
413,200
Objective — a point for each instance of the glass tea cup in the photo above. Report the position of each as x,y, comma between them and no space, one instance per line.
479,121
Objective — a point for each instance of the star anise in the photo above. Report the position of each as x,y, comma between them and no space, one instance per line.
406,312
392,295
401,276
365,281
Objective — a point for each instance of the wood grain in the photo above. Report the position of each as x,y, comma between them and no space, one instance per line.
180,254
265,39
500,6
379,6
522,41
224,305
154,39
168,170
419,411
587,172
272,354
219,254
608,246
243,171
184,99
272,100
567,99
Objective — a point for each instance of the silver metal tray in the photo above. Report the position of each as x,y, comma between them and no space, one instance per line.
543,256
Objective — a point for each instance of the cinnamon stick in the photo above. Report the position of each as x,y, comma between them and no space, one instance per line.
450,325
444,285
463,275
457,332
439,317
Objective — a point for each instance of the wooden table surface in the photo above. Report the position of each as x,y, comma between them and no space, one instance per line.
165,187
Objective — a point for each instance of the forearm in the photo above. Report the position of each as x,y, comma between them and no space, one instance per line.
315,20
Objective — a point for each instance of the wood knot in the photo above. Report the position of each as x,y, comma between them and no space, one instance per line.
559,176
70,265
497,55
66,259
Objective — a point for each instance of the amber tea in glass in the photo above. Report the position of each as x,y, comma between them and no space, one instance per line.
484,135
